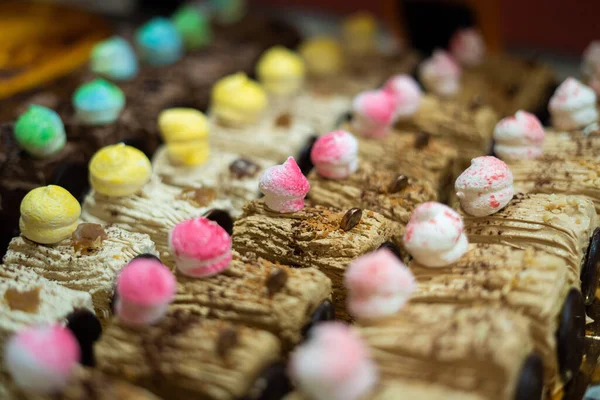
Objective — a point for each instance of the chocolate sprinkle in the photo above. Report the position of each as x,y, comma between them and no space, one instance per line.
421,140
228,338
283,121
243,168
351,219
398,184
276,280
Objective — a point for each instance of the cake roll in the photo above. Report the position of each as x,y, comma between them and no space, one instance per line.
468,128
527,281
186,355
85,383
572,175
125,195
559,224
450,344
320,237
571,144
88,261
261,294
340,180
29,299
188,161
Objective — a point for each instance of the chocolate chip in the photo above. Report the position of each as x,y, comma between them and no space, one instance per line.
146,256
87,329
399,183
531,379
283,121
276,280
570,335
351,219
393,248
222,218
243,168
228,338
421,140
304,160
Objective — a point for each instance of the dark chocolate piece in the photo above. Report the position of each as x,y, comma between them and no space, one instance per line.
228,338
393,248
222,218
87,329
421,140
276,280
531,380
571,335
243,168
351,219
324,312
304,160
146,256
589,272
273,384
398,184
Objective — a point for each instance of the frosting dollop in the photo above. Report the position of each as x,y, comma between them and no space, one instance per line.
98,102
193,26
485,187
42,359
468,47
228,11
115,59
440,74
573,105
378,284
40,131
281,71
323,56
201,247
145,288
238,100
435,235
49,214
373,113
335,155
284,187
333,364
119,170
159,42
359,32
590,65
185,131
519,137
408,95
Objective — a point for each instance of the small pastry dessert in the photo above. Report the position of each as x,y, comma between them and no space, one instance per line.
373,113
590,65
440,74
193,27
519,137
408,95
203,357
530,282
85,257
573,107
507,84
187,161
159,42
255,292
281,229
125,195
341,182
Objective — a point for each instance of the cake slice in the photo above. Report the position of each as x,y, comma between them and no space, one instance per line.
447,345
468,128
392,195
261,294
188,356
320,237
559,224
572,175
233,176
529,282
84,384
29,299
418,155
88,262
